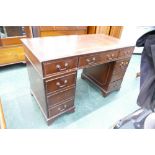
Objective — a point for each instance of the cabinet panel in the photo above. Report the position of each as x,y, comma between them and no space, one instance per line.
116,31
10,55
103,29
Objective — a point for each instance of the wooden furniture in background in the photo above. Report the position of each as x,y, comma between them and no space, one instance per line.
43,31
99,30
2,118
114,31
11,49
52,64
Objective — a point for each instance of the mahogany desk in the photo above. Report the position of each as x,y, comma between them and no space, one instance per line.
52,64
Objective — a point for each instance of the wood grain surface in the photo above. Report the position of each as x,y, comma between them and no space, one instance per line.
50,48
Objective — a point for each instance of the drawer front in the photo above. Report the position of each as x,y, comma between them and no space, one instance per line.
58,66
89,60
60,109
57,98
110,56
94,59
126,52
115,85
60,82
117,76
121,65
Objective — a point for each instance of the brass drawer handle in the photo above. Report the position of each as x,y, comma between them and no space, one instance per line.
123,64
109,57
91,61
112,55
62,69
62,109
61,86
126,62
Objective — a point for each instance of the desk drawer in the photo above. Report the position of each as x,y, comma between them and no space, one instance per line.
114,85
60,97
60,109
94,59
60,82
117,76
110,56
121,65
61,65
125,52
89,60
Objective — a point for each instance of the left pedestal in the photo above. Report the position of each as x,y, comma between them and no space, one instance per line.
54,93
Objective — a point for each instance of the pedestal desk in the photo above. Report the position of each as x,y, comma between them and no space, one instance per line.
52,64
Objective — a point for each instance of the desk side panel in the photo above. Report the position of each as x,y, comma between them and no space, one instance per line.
34,61
37,87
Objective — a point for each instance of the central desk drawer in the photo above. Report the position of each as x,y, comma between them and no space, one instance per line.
95,59
60,82
89,60
60,97
110,56
61,65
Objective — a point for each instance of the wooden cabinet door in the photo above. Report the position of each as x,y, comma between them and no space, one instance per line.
103,29
114,31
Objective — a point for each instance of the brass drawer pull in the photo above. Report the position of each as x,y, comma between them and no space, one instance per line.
62,109
109,57
91,61
124,64
62,69
61,86
112,55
